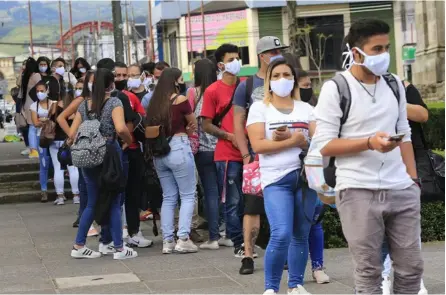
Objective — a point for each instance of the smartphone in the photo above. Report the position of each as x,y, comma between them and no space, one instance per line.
282,128
397,137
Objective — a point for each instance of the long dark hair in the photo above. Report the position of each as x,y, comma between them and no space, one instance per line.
48,63
31,67
103,79
85,90
158,110
75,71
205,74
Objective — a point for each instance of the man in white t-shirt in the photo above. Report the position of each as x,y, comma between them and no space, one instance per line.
376,180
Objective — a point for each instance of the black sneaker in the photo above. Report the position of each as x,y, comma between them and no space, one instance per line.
239,252
247,266
76,223
285,266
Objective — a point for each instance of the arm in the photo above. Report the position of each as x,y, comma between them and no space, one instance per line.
208,112
35,120
409,158
213,130
76,123
239,130
120,125
191,120
417,113
261,145
69,111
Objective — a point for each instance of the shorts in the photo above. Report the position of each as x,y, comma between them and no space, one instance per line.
254,205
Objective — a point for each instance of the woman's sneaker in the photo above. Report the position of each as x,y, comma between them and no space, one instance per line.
298,290
106,249
139,241
25,152
84,253
386,286
168,247
44,197
210,245
92,232
185,246
269,291
321,277
60,200
126,253
76,199
33,154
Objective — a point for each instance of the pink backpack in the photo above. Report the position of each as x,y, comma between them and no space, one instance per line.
251,179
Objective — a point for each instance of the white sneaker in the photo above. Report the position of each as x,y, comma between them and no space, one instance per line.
269,291
25,152
92,232
321,277
106,249
386,286
168,247
84,253
210,245
59,201
423,290
125,233
76,200
298,290
185,246
225,242
139,241
126,253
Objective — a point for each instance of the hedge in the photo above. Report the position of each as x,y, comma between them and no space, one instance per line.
434,128
432,226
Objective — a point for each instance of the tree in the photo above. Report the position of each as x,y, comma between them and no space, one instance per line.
316,54
292,29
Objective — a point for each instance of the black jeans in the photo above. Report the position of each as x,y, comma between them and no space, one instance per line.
134,189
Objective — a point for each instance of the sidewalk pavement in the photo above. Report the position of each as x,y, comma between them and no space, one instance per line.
37,240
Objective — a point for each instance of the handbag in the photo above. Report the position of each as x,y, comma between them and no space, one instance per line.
20,120
251,179
47,134
194,138
64,156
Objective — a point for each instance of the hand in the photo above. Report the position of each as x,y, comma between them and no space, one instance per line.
69,141
231,137
125,146
281,135
298,139
380,142
247,160
43,119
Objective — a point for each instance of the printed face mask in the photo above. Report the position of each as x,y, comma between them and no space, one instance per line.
43,69
282,87
41,95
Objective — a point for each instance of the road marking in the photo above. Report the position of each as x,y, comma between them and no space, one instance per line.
117,278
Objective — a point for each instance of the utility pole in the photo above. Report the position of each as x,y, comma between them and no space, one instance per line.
129,54
135,37
117,30
30,29
190,34
204,35
71,35
152,42
61,29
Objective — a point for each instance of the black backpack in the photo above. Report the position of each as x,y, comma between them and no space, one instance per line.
345,103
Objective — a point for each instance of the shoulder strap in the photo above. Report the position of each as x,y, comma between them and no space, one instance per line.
248,89
393,84
345,98
198,99
220,116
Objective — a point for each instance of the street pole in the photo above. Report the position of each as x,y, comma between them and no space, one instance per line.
61,29
30,29
129,56
152,42
204,35
71,35
117,30
190,33
135,37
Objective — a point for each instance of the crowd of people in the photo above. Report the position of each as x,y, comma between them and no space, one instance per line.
170,139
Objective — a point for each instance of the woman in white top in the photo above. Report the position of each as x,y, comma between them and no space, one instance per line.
279,130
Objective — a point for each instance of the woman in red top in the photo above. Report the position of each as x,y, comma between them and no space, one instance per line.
176,170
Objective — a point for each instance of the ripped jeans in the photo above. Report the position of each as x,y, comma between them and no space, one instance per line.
44,162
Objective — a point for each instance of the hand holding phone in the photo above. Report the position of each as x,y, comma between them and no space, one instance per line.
282,128
397,137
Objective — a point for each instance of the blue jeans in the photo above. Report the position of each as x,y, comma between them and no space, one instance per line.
289,226
82,193
208,176
233,205
110,232
316,242
176,172
44,162
33,139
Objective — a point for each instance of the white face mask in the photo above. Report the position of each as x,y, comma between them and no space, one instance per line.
377,64
82,70
90,86
147,82
60,71
233,67
282,87
134,83
41,95
43,69
77,93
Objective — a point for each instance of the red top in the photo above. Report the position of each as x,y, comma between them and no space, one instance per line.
137,108
178,122
216,97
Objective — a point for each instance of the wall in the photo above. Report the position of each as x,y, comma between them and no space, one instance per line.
270,22
7,69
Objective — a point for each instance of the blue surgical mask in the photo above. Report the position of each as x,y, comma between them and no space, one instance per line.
43,69
273,58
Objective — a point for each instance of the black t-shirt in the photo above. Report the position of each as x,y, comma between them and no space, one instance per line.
56,88
413,96
129,115
140,95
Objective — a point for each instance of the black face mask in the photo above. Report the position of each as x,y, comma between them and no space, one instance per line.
121,85
306,94
181,87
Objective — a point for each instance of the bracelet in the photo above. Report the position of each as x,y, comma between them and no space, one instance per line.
246,156
369,146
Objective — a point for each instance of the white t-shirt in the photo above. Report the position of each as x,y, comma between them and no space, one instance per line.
41,112
368,169
273,167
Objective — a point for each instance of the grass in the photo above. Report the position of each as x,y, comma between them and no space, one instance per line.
436,105
440,152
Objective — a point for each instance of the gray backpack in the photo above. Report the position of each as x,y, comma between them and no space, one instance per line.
88,149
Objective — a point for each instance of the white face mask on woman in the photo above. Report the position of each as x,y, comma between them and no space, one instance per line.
77,93
82,70
282,87
42,95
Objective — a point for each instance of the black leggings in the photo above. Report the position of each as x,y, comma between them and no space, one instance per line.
134,189
24,131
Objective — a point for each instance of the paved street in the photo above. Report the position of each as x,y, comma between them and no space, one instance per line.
34,258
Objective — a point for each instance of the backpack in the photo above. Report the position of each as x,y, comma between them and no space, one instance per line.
345,103
89,147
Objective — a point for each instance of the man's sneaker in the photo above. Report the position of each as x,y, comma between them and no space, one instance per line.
33,154
76,199
44,197
210,245
76,223
126,253
240,253
139,241
321,277
25,152
106,249
269,291
386,286
298,290
92,232
84,253
225,242
247,266
423,290
59,201
168,246
185,246
125,233
195,236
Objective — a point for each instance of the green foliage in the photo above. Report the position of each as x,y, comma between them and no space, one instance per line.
434,128
435,105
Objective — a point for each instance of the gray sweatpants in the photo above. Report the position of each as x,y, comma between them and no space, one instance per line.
366,216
